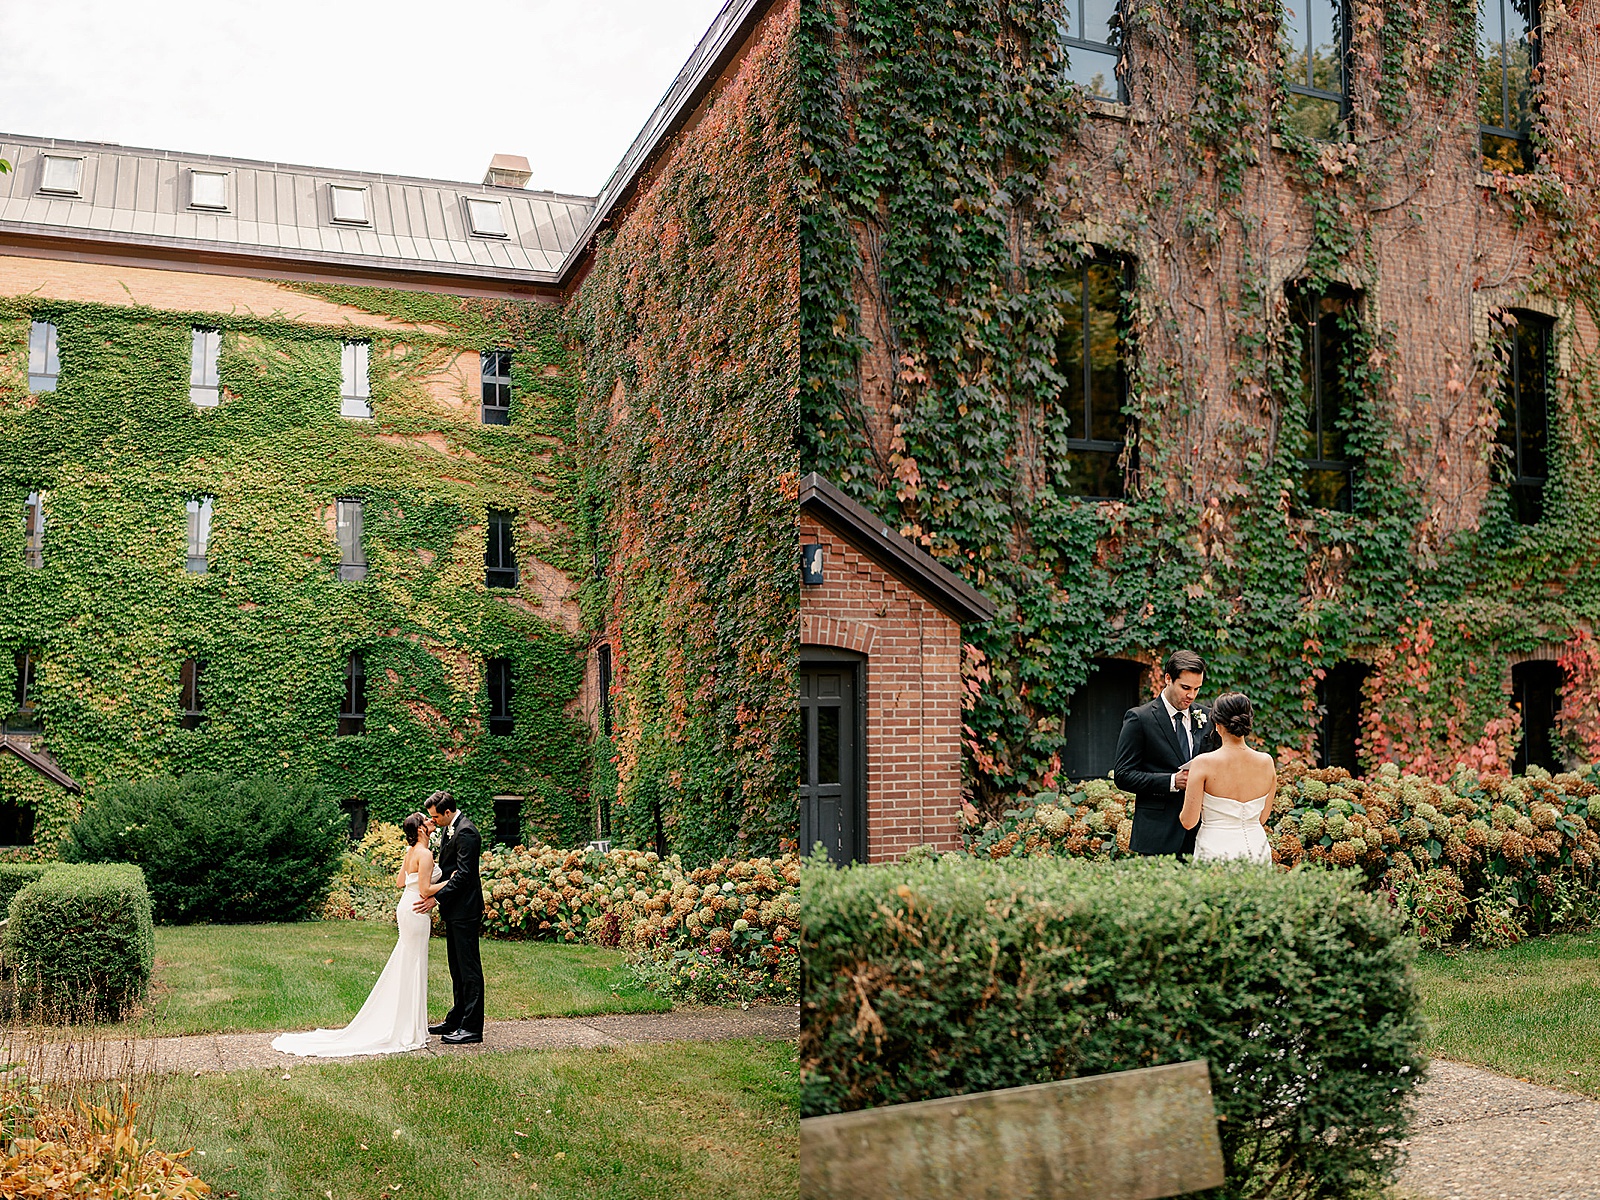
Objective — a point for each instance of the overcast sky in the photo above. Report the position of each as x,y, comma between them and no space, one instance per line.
412,88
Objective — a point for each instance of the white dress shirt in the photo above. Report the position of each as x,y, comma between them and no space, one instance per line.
1188,725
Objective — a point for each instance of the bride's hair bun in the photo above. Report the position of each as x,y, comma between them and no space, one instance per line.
411,825
1232,712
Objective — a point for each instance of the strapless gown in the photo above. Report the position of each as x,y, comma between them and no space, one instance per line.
1231,829
395,1017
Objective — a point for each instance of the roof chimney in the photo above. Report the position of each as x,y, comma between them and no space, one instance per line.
508,170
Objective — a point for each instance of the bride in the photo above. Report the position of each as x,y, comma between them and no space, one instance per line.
1230,827
395,1016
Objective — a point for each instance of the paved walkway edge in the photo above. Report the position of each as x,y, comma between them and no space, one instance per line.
200,1053
1479,1135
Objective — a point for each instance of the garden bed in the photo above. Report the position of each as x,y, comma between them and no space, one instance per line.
724,933
1482,857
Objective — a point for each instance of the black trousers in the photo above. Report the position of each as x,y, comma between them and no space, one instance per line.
1157,830
461,933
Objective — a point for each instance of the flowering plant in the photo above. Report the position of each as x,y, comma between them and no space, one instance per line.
1522,851
736,918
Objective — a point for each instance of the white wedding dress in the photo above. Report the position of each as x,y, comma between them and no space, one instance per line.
1231,829
395,1016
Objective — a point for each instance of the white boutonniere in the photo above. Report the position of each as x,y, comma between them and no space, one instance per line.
1199,719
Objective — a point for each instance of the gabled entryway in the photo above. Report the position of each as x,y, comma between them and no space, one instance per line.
880,684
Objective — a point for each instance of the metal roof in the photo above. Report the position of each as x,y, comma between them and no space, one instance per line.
129,198
145,197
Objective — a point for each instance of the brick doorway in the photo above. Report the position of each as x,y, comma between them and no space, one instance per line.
832,795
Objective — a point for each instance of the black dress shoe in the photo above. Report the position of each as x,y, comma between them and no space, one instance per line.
461,1037
441,1028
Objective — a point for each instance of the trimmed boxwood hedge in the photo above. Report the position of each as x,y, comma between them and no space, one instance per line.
219,847
16,876
80,940
942,978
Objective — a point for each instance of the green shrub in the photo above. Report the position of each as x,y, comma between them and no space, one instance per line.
218,848
1529,843
934,979
80,939
16,876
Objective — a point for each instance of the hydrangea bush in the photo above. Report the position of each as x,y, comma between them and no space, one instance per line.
725,932
1481,856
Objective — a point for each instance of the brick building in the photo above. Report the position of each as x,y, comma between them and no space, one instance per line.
290,476
880,684
1273,333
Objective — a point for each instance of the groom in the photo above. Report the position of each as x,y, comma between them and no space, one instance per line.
1153,752
460,903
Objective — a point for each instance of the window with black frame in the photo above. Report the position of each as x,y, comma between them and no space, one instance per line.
1524,430
193,702
1508,64
603,670
33,530
352,554
496,386
1322,324
499,681
1316,55
353,709
24,716
1089,354
44,363
1092,48
500,553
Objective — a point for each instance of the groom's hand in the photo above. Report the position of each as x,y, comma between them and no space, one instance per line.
426,905
1181,780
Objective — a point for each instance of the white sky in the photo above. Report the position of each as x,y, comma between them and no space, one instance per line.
401,86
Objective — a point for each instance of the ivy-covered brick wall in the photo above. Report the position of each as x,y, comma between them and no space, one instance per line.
119,448
955,184
688,323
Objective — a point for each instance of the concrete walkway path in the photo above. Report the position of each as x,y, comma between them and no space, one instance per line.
194,1055
1483,1136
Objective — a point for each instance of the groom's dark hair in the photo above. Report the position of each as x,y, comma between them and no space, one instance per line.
1180,661
441,802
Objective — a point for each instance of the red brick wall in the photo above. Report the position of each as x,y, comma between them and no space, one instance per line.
912,692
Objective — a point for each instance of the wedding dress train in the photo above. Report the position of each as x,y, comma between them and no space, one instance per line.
1231,829
395,1016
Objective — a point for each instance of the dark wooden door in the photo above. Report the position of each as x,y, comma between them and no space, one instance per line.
1536,693
829,789
1095,720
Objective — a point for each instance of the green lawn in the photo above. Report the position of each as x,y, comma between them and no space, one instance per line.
240,978
680,1119
1532,1011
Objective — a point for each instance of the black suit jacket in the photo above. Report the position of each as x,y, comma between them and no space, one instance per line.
1147,758
461,897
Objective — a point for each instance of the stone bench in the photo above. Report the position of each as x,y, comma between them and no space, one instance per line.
1131,1135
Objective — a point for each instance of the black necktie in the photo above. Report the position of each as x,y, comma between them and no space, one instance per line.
1183,736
